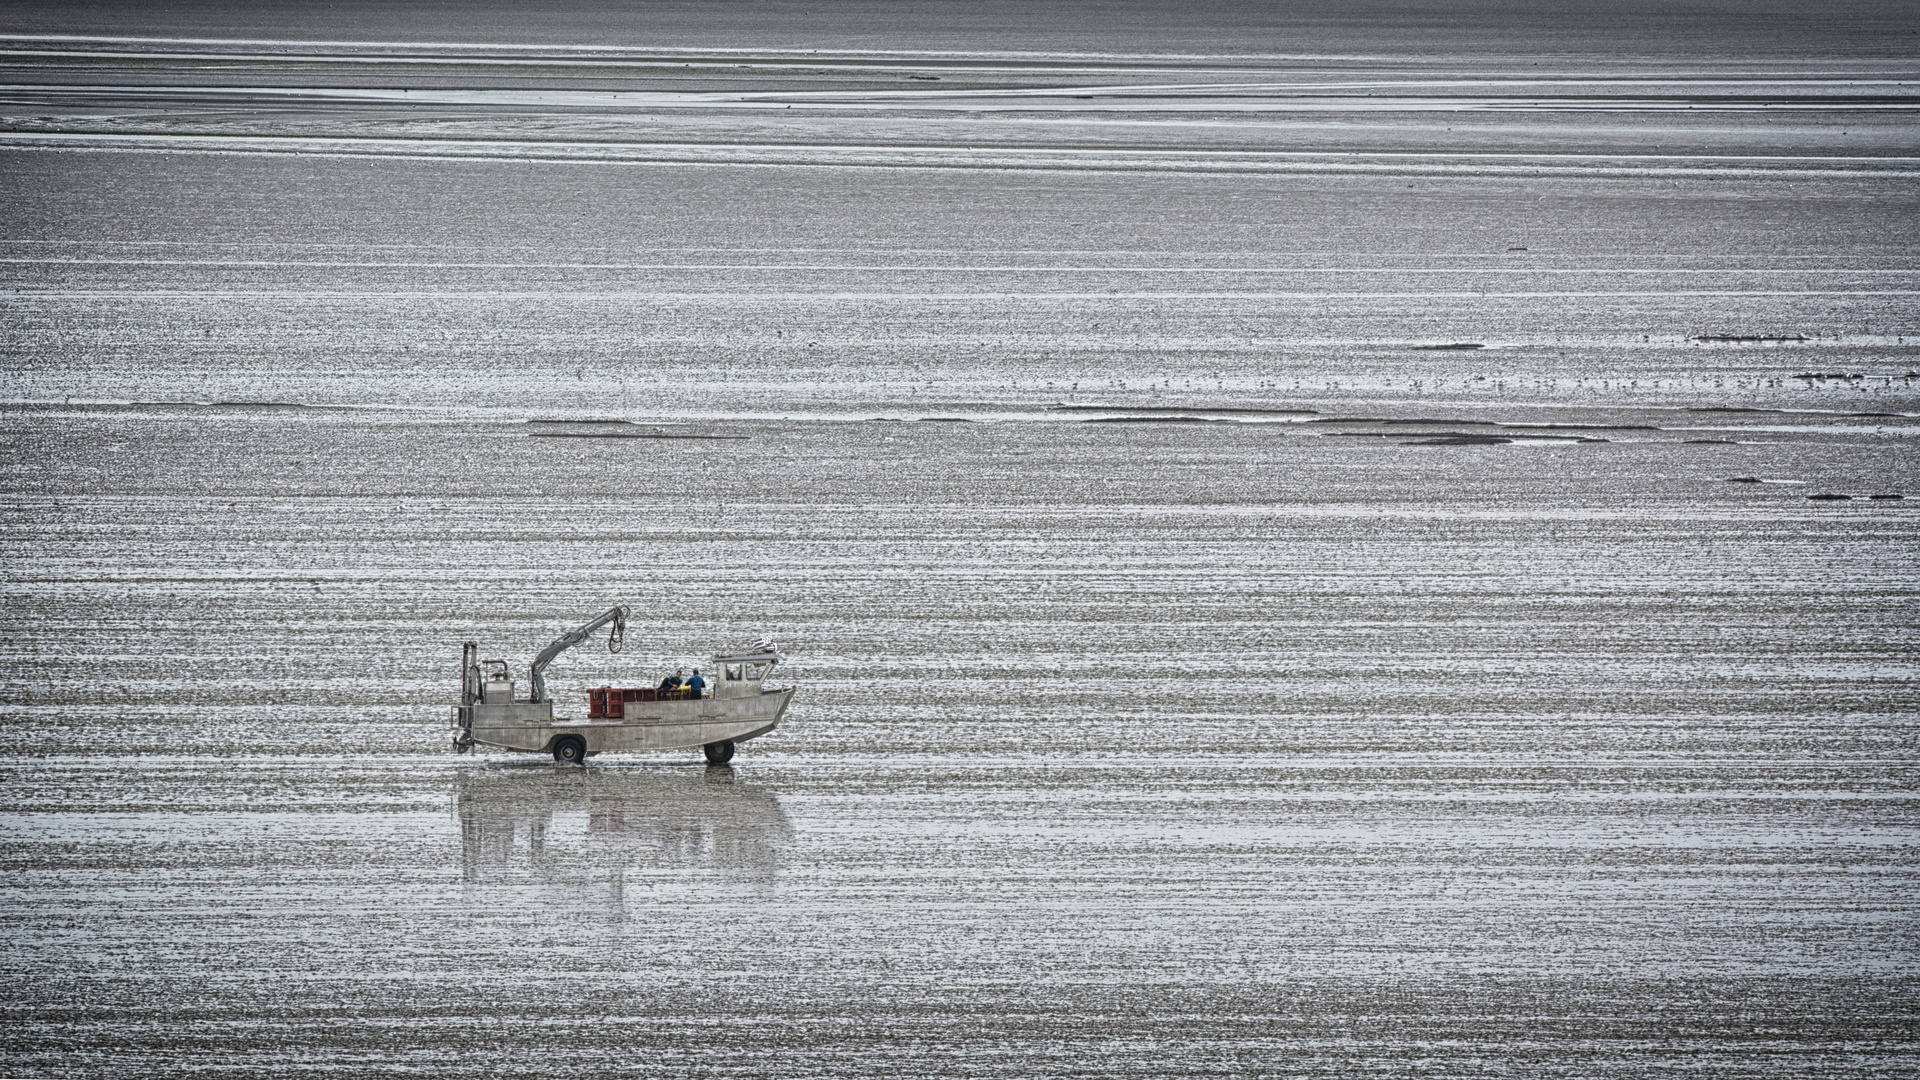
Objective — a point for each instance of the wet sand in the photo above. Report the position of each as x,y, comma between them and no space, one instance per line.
1355,705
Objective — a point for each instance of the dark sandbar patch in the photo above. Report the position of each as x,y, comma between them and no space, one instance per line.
622,435
1432,421
1234,409
1744,480
1152,420
570,421
243,406
1460,439
1420,422
1745,339
945,420
1452,346
1455,438
1712,442
275,405
119,405
1580,427
1878,498
1814,413
1829,496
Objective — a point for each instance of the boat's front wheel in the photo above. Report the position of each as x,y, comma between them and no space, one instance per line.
718,753
570,750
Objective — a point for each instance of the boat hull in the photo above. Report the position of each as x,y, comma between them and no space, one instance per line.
647,725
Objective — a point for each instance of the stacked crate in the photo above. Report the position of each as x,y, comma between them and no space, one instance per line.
609,702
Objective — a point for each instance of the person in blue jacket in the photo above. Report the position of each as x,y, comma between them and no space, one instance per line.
696,684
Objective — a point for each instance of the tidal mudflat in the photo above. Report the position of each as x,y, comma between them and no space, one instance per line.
1387,560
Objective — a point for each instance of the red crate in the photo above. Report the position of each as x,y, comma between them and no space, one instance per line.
609,702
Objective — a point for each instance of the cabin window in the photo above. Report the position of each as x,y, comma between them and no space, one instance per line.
756,671
733,672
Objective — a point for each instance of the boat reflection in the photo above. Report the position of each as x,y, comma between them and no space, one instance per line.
616,828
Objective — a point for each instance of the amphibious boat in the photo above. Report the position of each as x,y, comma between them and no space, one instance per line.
738,705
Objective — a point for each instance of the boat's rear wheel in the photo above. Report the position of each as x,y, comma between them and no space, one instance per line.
570,750
718,753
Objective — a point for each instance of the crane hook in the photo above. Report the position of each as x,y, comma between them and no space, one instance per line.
617,634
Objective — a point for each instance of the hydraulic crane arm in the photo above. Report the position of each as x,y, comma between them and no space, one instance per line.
617,615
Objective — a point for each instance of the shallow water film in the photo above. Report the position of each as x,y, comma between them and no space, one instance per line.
1340,541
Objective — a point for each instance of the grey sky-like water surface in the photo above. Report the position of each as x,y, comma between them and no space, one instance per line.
1338,541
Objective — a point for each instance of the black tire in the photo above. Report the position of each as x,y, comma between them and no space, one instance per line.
570,750
718,753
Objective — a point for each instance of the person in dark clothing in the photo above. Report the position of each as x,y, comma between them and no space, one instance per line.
671,682
696,686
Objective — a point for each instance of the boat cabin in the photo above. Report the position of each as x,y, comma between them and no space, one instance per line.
741,675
